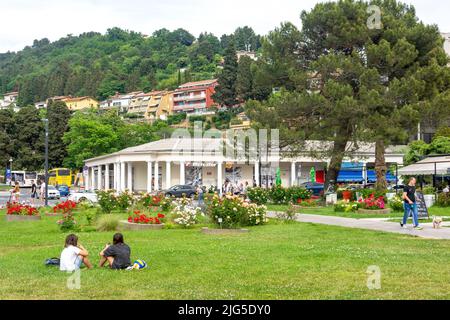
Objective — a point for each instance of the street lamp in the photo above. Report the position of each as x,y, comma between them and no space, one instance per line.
10,170
46,160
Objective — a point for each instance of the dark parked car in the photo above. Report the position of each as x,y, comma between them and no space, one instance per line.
315,187
64,190
181,191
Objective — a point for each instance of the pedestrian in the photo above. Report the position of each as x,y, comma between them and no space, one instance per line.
42,191
410,204
15,193
200,195
34,194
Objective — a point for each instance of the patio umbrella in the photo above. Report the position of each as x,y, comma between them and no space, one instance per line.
278,177
312,173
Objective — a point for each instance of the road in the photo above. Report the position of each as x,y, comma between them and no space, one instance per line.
25,196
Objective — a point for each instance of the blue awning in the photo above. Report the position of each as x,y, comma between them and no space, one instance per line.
350,176
372,176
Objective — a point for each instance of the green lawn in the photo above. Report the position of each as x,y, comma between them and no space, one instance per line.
276,261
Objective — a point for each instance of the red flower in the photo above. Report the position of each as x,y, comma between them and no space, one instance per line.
130,219
161,216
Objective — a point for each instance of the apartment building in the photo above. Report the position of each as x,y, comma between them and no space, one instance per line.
194,97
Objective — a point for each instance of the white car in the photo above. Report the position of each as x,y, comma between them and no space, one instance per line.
53,193
83,196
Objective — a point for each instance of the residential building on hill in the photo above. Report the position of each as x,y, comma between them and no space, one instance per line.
242,53
160,105
9,100
194,97
121,102
80,103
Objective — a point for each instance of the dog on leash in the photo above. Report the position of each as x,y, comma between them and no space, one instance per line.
437,221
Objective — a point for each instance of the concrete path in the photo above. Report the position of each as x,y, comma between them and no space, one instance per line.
428,232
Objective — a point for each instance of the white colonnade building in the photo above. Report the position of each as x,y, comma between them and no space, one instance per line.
162,164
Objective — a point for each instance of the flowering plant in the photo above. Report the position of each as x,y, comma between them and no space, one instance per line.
233,211
67,223
346,206
396,204
141,218
64,207
373,203
257,195
186,214
22,210
307,203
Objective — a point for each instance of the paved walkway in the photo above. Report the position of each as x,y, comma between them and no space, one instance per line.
428,232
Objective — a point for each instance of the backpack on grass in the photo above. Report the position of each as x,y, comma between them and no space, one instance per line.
52,262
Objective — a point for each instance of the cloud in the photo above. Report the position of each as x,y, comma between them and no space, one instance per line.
22,21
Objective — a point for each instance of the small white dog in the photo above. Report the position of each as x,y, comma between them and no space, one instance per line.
437,221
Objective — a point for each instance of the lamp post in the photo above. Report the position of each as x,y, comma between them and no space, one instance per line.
46,160
10,169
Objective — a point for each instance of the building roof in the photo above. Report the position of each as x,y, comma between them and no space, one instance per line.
197,84
427,166
210,144
78,98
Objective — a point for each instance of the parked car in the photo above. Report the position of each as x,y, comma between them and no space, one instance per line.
315,187
180,191
53,193
64,190
81,196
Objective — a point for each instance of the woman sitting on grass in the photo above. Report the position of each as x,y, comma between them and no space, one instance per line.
73,255
117,255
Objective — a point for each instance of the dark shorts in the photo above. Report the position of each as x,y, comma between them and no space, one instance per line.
34,195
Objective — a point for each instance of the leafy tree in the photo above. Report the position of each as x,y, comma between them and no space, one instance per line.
58,123
226,90
246,39
244,79
29,139
7,135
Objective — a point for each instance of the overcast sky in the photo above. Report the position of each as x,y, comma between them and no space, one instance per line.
22,21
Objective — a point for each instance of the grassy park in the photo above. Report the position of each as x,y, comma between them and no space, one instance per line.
279,260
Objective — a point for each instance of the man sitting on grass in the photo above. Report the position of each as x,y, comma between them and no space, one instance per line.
117,255
73,255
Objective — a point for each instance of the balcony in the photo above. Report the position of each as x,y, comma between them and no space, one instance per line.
189,97
187,107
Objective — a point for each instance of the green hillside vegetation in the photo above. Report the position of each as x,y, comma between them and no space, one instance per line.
99,65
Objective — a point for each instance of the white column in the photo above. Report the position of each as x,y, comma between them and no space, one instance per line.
107,177
115,176
92,178
149,176
168,175
293,174
130,177
87,180
182,173
364,172
156,176
219,177
257,173
99,181
122,177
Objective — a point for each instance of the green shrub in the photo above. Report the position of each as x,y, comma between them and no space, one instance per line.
428,190
257,195
124,201
443,200
279,195
107,201
343,206
297,193
234,212
396,204
107,223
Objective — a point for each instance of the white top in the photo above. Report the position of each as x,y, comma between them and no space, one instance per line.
43,187
69,258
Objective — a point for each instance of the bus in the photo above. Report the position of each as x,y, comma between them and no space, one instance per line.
60,176
25,178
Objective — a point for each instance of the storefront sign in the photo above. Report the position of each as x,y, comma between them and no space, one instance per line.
201,164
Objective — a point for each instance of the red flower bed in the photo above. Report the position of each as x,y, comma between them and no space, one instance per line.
372,203
64,207
21,210
142,218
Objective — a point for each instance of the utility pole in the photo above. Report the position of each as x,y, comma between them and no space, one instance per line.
46,161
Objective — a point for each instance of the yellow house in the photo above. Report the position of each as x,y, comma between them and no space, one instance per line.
80,103
160,105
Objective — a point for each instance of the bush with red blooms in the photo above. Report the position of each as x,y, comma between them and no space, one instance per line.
143,218
64,207
21,210
373,203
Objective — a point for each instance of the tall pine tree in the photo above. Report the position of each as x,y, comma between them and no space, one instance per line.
58,118
226,94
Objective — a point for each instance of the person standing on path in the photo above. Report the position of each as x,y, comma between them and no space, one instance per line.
410,204
43,191
34,194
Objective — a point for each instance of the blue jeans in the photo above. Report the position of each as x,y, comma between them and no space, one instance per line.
415,214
